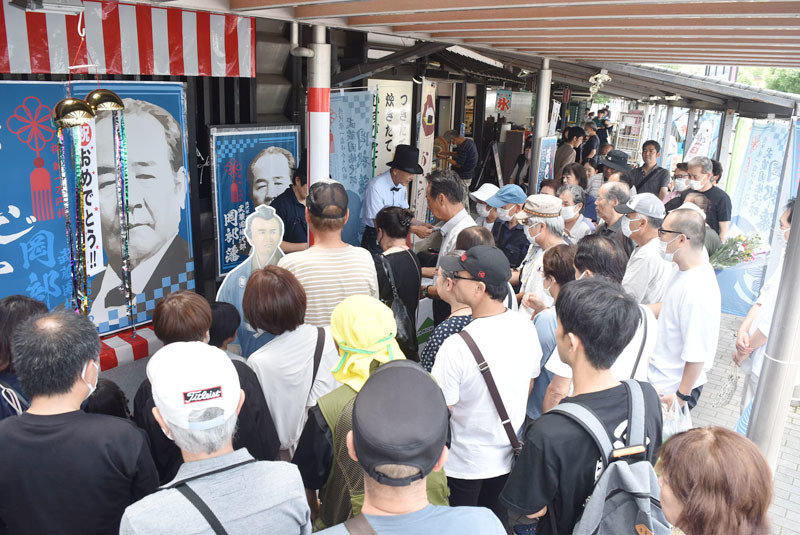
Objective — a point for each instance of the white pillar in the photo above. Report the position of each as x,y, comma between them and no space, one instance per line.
318,127
690,121
665,143
540,121
724,148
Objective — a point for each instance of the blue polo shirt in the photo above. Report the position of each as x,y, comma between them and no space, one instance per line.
293,213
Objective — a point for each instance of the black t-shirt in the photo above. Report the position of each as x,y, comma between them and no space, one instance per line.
560,463
255,430
652,182
719,206
407,275
591,144
293,214
71,473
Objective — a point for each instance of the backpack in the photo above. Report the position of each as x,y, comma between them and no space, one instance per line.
625,498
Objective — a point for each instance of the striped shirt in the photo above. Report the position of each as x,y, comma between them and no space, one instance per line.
330,275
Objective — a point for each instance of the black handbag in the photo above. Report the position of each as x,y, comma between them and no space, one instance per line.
406,325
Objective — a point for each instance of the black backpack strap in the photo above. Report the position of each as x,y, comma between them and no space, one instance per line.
359,525
201,506
641,346
318,353
483,366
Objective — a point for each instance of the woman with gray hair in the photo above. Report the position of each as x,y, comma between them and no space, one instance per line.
573,199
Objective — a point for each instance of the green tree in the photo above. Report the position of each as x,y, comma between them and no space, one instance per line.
787,80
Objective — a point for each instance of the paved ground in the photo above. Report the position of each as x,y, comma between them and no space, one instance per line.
785,510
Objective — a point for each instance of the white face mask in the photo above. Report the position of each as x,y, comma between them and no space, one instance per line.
531,237
681,184
669,257
696,185
504,214
547,289
781,238
626,227
483,209
92,388
568,212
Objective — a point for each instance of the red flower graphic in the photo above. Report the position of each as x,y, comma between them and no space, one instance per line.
31,124
482,274
463,257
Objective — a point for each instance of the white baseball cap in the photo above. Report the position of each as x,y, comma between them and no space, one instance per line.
484,192
188,377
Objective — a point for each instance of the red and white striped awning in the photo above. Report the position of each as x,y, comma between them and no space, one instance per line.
123,348
128,39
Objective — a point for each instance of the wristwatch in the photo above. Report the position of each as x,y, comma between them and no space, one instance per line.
684,397
425,291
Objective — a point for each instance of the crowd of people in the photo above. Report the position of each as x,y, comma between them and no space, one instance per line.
340,423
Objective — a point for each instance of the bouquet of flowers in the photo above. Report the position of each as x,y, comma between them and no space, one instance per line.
737,250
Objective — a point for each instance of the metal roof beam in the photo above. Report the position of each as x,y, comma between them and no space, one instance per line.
364,70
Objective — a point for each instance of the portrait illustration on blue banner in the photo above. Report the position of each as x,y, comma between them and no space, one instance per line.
250,166
160,249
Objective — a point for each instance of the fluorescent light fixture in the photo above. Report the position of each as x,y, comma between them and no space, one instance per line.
673,97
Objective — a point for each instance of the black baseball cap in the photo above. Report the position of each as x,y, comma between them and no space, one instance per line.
616,159
400,417
484,262
323,194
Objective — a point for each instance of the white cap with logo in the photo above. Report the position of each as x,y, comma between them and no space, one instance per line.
189,377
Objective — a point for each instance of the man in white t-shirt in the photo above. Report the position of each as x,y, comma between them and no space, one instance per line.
601,256
481,454
647,273
688,318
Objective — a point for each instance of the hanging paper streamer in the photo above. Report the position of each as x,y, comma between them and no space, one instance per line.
62,166
90,198
121,161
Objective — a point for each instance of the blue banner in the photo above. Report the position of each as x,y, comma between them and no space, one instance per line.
547,156
755,201
795,163
34,257
250,166
351,152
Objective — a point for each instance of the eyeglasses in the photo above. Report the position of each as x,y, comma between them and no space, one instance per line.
455,276
663,231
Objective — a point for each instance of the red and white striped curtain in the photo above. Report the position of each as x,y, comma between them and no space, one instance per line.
128,39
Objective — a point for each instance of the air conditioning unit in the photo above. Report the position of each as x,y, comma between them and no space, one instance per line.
63,7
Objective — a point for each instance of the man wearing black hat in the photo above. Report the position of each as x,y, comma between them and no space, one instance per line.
501,347
290,206
331,269
397,459
389,189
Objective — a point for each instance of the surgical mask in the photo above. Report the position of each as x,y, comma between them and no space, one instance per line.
547,289
681,184
696,185
504,214
531,239
781,239
92,388
483,209
669,257
568,212
626,227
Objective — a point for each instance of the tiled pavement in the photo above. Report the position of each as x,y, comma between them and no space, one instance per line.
785,510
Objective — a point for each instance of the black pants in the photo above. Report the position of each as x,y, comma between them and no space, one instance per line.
479,492
369,240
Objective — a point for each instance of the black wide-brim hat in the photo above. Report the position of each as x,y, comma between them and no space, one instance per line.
406,158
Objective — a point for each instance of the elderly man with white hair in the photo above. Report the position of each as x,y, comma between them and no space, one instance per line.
701,170
544,227
217,489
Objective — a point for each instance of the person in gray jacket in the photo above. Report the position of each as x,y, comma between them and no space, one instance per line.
217,489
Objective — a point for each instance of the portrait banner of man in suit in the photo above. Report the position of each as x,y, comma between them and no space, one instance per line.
159,246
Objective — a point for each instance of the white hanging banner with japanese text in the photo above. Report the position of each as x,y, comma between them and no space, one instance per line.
425,139
92,233
394,119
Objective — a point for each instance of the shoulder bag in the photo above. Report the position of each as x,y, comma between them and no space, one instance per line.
483,367
406,325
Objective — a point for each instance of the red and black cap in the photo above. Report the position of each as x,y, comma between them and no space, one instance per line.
483,262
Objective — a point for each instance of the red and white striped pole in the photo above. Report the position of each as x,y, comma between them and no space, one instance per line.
318,127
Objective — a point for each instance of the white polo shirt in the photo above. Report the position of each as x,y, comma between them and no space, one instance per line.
450,231
480,448
688,328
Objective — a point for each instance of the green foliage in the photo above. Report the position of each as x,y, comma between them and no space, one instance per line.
787,80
